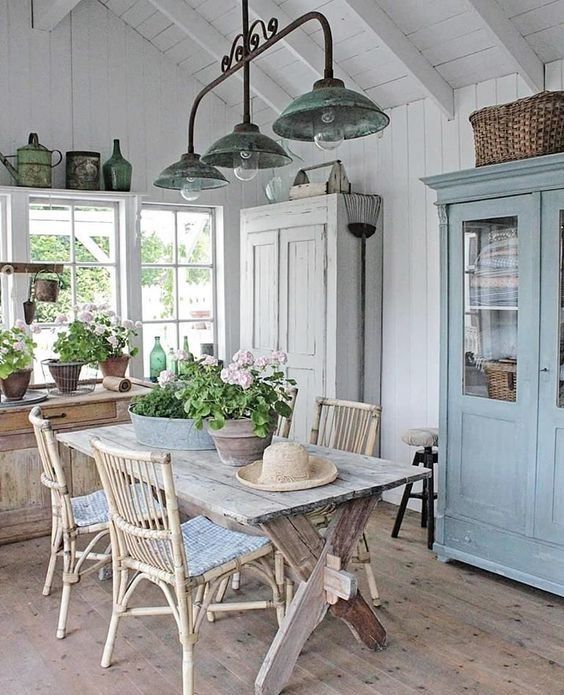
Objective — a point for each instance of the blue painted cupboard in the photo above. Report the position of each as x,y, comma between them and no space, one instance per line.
501,470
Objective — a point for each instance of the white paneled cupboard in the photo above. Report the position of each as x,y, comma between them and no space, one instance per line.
300,292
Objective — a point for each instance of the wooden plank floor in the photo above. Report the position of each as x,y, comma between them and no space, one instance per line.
452,629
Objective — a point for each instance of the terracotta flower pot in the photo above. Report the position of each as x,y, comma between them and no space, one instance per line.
13,387
115,366
237,444
66,375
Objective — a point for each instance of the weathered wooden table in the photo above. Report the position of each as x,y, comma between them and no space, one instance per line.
318,562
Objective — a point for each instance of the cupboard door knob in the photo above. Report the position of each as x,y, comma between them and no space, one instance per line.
544,369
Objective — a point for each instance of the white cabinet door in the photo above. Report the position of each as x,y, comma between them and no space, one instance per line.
283,306
302,317
259,292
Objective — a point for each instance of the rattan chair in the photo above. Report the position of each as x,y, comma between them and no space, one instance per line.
285,423
72,517
191,563
348,426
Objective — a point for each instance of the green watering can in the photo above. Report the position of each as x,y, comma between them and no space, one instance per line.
33,164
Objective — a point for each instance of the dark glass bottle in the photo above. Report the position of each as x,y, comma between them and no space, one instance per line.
183,364
117,171
157,360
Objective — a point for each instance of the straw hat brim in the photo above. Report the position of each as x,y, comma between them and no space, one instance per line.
321,472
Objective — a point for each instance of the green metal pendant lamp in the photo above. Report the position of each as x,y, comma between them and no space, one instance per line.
329,114
190,176
246,150
326,115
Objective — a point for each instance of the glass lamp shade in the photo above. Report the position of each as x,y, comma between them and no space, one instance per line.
190,168
330,106
247,138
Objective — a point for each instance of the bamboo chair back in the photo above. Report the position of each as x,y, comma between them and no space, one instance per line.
143,508
53,476
346,425
285,423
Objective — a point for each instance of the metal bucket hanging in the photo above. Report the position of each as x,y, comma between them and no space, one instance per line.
46,289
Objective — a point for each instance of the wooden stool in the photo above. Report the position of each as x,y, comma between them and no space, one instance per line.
426,455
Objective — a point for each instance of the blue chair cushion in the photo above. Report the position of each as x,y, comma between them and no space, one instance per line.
208,545
90,509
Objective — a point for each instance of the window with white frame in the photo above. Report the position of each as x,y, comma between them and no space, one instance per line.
178,283
83,236
4,304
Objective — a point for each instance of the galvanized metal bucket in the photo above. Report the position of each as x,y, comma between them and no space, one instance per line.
170,433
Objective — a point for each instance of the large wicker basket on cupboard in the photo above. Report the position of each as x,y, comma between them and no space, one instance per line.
525,128
502,380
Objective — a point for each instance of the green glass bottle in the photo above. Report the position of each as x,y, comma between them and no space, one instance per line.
182,366
117,171
172,362
157,360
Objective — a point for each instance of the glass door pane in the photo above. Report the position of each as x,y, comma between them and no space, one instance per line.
491,299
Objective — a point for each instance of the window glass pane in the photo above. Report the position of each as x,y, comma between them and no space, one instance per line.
491,296
167,332
195,293
157,236
157,289
194,238
200,336
561,361
50,232
94,234
95,285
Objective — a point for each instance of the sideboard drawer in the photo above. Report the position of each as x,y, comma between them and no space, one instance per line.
61,415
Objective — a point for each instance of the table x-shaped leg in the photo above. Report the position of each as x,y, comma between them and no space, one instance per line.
317,561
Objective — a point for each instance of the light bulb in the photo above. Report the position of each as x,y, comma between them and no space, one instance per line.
245,165
328,135
191,190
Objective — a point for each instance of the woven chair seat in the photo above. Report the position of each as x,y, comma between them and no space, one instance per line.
90,509
93,508
208,545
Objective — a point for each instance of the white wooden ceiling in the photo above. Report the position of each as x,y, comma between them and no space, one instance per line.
456,42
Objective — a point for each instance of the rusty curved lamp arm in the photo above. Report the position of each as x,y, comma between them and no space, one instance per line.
251,55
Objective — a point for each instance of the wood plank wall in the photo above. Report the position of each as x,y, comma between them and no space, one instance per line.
94,78
419,142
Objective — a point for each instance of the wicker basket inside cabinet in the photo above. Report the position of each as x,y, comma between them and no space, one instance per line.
502,380
524,128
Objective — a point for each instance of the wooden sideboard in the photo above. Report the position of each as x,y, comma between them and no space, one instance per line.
25,504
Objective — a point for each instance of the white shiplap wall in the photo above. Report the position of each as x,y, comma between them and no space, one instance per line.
93,79
420,141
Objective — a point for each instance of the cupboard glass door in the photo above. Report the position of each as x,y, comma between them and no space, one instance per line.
492,358
549,512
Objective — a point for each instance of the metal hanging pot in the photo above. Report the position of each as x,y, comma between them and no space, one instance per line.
46,289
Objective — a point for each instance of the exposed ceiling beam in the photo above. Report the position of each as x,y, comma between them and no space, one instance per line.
506,35
204,34
299,42
46,14
380,24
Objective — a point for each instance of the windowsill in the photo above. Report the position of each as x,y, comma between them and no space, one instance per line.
71,192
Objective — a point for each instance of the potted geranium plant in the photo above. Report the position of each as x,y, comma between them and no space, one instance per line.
160,419
240,404
74,348
16,358
111,339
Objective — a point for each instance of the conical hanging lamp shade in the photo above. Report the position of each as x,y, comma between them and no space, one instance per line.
190,168
330,105
246,137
